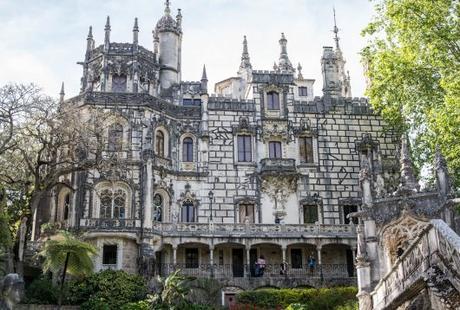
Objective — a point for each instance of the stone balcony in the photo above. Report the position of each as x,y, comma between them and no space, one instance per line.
277,166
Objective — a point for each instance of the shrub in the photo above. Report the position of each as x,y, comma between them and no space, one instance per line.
108,289
41,291
324,298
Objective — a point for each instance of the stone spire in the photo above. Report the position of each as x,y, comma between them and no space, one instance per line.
62,93
179,19
284,62
107,33
408,183
245,60
135,32
167,8
442,173
336,33
299,72
89,42
204,81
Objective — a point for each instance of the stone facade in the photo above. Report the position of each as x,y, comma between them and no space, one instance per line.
209,183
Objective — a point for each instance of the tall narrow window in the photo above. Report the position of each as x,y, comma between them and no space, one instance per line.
244,148
246,213
273,101
274,148
187,150
106,204
119,83
157,212
109,254
296,258
347,209
160,143
191,258
306,149
188,212
310,214
119,203
303,91
115,137
66,207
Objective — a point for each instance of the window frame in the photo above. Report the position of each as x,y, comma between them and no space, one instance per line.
190,212
306,215
307,155
275,152
192,258
187,149
243,215
244,149
112,257
160,143
303,91
273,101
347,209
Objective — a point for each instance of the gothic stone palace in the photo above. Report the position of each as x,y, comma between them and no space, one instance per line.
208,183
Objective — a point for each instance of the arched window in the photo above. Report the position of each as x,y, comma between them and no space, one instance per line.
113,204
160,143
157,210
273,101
187,149
188,212
115,137
66,207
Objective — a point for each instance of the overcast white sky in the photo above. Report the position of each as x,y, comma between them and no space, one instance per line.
43,39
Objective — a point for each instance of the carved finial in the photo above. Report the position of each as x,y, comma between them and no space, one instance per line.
135,32
62,93
336,32
107,24
299,72
90,33
275,66
408,181
245,60
89,42
167,8
442,173
107,33
204,77
284,62
204,80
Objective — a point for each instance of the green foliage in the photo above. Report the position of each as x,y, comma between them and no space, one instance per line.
324,298
108,289
205,292
413,63
80,253
140,305
41,291
172,291
351,305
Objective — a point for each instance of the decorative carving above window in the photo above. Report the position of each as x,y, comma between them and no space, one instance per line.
244,127
366,143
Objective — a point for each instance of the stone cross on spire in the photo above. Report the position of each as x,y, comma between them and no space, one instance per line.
245,60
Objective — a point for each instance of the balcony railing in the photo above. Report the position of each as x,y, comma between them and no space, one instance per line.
274,270
277,165
110,223
227,229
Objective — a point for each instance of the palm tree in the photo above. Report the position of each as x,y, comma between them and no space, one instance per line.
65,252
172,291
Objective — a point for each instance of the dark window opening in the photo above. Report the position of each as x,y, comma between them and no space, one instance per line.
296,258
109,254
187,150
274,149
160,143
303,91
191,258
188,212
306,149
310,214
273,101
191,102
157,212
244,148
347,210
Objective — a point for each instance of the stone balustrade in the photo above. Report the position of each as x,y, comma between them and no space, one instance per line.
437,248
277,165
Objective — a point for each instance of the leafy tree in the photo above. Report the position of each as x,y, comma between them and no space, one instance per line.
64,252
172,291
413,64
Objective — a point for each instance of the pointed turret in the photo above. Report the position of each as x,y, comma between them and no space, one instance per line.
135,32
62,93
167,8
89,42
442,174
204,81
179,19
284,62
299,72
336,33
408,183
245,60
107,33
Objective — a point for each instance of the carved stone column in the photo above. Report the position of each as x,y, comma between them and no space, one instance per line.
247,270
148,195
174,248
211,260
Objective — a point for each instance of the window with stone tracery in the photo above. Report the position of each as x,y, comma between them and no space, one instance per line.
157,211
112,204
188,213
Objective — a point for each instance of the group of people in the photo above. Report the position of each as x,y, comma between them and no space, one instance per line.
261,264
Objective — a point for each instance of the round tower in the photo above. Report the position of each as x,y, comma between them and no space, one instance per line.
168,34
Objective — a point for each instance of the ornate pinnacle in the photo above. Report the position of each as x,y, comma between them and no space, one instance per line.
284,62
204,76
336,32
408,181
245,60
136,26
299,70
62,93
90,33
107,24
135,32
167,8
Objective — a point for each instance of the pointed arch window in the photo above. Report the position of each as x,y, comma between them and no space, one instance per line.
187,150
160,143
113,204
115,137
188,212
